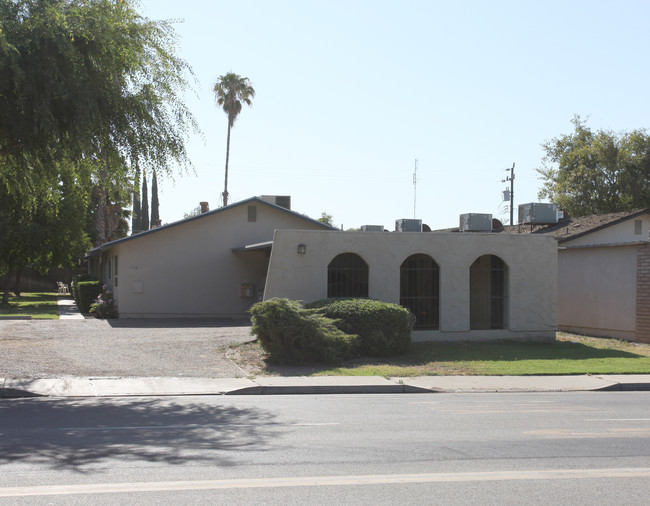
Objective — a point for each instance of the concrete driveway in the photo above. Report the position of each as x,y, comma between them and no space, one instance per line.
92,347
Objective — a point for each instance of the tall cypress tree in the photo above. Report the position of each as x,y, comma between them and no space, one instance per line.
155,214
136,215
145,204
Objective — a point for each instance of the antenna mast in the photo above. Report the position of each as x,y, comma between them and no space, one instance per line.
415,187
511,178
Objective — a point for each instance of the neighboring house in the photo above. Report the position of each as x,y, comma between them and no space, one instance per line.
460,286
604,273
210,265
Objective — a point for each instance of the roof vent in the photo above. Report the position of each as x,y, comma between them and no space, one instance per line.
537,213
475,222
278,200
406,225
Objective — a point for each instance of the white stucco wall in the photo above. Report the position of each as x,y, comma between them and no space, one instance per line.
531,261
189,270
597,290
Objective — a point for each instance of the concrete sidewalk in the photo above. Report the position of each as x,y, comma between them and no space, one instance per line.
85,342
67,308
274,385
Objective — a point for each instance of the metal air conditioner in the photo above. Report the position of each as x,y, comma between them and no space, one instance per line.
537,213
278,200
475,222
406,225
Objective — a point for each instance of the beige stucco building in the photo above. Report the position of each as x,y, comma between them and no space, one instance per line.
211,265
460,286
604,274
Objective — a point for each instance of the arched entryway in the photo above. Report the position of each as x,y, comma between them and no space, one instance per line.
420,290
488,293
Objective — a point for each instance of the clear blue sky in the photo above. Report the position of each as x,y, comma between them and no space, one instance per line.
350,93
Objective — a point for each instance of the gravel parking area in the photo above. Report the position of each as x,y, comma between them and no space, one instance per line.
119,348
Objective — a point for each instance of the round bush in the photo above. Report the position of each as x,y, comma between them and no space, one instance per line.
292,335
384,328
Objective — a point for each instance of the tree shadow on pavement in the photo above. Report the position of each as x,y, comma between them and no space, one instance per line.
83,434
176,323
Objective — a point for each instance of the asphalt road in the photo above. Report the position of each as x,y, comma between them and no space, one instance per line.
542,448
92,347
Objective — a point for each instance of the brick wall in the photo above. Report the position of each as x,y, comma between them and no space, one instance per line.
643,294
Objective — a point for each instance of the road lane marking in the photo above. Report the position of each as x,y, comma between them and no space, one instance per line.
320,481
617,420
609,433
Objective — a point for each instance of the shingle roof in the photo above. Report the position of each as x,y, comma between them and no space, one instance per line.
572,228
258,200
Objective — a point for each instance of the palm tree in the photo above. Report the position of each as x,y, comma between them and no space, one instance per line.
231,90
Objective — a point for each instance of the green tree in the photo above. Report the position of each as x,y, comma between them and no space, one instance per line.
42,215
89,89
589,172
145,205
155,212
326,218
109,200
136,212
194,212
230,91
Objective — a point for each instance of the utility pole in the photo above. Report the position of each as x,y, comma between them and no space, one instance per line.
511,178
415,187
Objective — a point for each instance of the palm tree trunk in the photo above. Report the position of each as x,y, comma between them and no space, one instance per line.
225,188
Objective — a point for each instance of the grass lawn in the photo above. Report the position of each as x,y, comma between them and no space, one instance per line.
35,304
569,354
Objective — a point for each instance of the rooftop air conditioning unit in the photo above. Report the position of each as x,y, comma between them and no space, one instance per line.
475,222
406,225
537,213
278,200
372,228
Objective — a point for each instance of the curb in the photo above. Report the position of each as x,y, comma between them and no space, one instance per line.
626,387
306,385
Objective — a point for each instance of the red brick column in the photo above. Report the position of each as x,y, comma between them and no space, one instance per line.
642,333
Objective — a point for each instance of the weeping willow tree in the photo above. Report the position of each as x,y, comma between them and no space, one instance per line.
89,89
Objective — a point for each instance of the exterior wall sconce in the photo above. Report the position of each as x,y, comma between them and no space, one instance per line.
302,249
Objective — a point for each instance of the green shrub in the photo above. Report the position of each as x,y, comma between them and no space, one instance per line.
291,335
321,303
104,306
87,293
383,328
74,285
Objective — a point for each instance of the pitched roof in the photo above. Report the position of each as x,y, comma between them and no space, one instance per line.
250,200
572,228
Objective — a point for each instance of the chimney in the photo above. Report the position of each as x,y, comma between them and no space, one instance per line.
204,207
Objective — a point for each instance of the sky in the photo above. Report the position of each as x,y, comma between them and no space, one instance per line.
349,94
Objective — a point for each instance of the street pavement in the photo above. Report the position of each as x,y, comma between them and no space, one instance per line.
568,448
122,385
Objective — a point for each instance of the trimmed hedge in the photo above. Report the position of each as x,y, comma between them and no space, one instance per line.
74,285
292,335
86,293
383,328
